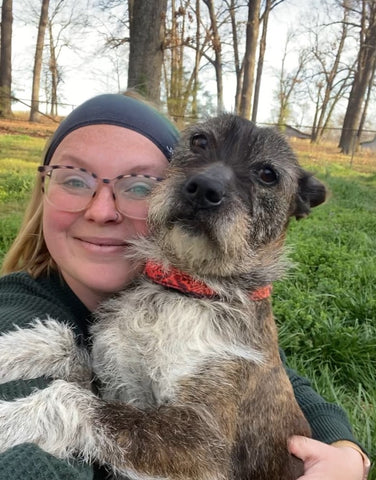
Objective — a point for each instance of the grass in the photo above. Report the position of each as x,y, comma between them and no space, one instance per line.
19,157
325,307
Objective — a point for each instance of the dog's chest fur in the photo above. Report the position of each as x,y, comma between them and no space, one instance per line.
152,337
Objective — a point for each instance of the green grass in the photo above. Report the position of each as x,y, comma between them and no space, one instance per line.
21,147
19,157
325,307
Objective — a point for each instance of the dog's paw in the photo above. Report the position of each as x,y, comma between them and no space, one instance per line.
57,419
18,420
48,349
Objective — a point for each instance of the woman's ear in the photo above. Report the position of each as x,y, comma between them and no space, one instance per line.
311,192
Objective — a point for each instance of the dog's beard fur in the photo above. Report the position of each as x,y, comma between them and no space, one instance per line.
191,388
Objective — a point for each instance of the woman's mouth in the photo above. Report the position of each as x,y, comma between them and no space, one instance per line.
102,245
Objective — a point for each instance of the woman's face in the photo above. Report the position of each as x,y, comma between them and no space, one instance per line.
89,246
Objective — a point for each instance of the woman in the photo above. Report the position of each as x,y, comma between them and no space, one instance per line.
68,258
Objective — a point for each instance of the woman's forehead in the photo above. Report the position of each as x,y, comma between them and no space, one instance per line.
103,147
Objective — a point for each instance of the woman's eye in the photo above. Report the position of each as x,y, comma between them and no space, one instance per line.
199,140
75,183
71,183
139,190
268,176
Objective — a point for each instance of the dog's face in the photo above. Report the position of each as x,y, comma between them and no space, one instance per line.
228,196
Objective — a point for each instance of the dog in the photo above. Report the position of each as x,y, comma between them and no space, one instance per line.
191,384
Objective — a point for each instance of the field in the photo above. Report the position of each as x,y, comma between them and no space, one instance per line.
325,307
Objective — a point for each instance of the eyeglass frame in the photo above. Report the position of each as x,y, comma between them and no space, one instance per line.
43,170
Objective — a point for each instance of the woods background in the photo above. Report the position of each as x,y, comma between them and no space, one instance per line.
172,50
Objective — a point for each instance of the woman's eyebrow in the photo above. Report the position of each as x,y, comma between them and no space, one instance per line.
68,158
75,160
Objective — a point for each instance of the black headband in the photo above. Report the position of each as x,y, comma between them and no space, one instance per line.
120,110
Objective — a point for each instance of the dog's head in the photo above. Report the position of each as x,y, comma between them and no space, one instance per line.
228,196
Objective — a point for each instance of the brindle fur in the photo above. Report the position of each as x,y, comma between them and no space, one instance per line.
191,388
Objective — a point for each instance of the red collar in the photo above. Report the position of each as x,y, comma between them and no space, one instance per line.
174,278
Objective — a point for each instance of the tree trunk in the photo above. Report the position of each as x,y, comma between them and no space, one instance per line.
237,65
249,57
366,103
366,58
260,63
146,28
53,71
34,112
6,59
217,47
330,75
194,109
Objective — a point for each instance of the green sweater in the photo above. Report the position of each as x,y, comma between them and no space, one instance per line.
23,298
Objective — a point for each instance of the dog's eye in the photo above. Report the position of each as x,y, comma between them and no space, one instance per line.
199,140
268,176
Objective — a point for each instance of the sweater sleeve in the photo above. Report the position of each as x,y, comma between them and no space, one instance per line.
28,462
23,299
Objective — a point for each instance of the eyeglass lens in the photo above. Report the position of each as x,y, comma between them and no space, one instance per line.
71,190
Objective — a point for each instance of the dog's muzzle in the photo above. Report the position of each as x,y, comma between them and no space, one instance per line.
208,188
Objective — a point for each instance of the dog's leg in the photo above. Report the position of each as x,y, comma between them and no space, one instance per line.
170,442
45,349
186,440
55,418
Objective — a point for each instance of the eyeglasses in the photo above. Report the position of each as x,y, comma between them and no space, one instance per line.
71,189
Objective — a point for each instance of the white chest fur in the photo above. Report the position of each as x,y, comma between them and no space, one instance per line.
151,339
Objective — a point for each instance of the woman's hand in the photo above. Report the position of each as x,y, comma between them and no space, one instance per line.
322,461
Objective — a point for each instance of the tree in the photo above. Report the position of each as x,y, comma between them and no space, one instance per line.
249,57
264,19
260,62
43,19
332,76
238,65
6,58
53,70
189,29
217,47
180,84
362,76
288,80
146,32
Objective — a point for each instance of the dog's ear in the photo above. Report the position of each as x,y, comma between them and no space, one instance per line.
311,193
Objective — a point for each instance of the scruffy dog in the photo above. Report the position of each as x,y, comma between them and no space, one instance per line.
191,381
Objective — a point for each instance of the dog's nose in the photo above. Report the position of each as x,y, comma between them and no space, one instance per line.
204,191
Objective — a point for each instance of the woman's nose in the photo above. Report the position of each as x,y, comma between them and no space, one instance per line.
102,208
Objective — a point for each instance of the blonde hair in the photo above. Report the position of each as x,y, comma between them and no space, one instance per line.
29,251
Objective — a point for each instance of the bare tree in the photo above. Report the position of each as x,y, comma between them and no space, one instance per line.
260,62
217,47
249,57
198,55
269,5
146,32
366,105
288,81
332,75
43,19
6,58
53,70
178,83
362,76
238,65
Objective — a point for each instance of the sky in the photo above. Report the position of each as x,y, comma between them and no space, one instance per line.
84,80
